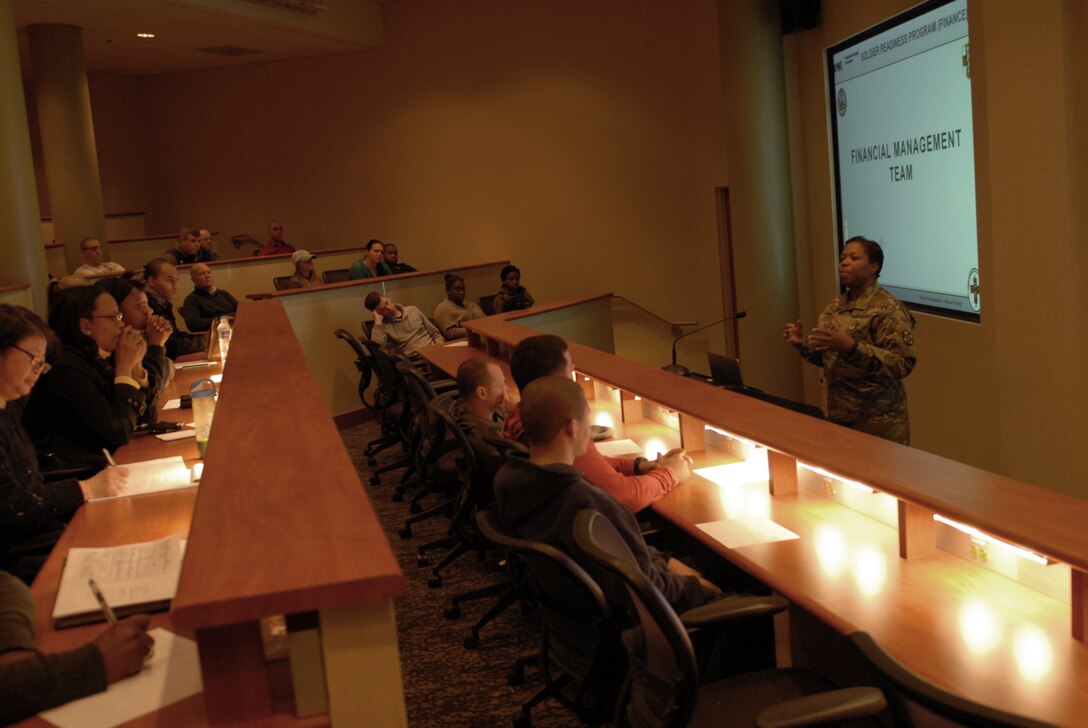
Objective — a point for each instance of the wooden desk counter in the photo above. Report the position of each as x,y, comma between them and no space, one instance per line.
964,627
282,526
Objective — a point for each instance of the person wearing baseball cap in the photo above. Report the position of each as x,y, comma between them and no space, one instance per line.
305,276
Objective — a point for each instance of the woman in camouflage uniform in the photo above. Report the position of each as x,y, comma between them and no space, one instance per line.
864,340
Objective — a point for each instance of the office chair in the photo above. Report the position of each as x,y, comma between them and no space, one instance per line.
581,658
280,282
390,400
487,304
663,686
475,492
428,442
491,452
362,363
913,700
336,275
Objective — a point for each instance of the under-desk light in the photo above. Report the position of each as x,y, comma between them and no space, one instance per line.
987,538
738,438
852,483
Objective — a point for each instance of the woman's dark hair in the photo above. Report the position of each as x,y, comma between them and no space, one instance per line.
71,305
507,270
372,243
872,250
452,278
119,288
17,323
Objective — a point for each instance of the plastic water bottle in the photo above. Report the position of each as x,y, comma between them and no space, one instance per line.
202,393
224,331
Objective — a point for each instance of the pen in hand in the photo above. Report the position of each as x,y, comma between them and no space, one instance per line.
109,458
107,610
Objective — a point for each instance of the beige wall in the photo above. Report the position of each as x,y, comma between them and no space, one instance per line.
587,151
585,140
1007,394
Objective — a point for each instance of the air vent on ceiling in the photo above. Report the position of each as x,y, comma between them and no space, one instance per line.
230,51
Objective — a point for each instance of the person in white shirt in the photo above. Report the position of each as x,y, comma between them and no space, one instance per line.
93,265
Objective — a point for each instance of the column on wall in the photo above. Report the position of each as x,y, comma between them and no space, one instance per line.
67,132
757,146
22,257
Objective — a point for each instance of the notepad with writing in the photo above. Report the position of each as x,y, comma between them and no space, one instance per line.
154,476
135,577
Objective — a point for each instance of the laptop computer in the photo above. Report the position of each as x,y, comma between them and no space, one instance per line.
725,370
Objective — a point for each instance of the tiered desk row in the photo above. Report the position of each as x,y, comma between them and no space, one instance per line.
279,525
973,580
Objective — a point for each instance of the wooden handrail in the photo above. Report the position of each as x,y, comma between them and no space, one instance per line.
267,476
364,281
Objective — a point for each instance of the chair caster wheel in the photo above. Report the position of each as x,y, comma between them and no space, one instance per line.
434,581
397,497
375,479
472,642
415,508
515,677
422,561
371,461
406,532
452,612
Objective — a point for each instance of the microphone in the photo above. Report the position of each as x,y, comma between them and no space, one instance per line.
680,368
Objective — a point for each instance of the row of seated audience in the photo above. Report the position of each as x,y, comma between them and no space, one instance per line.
93,371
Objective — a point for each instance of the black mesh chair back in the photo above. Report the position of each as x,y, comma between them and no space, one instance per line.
580,641
429,430
362,363
336,275
487,304
663,683
914,701
280,282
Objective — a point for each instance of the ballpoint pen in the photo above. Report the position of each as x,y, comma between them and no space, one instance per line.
102,603
109,458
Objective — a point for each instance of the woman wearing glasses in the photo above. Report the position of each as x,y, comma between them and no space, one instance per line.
98,387
32,514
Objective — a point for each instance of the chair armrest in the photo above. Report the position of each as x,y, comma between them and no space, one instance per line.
730,608
822,708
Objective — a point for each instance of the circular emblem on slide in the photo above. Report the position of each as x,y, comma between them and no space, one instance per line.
842,101
974,290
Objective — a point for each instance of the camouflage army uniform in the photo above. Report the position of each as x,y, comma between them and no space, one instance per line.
864,387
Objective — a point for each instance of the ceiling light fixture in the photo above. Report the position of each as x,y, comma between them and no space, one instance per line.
145,35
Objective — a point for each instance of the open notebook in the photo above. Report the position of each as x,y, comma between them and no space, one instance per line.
154,476
135,577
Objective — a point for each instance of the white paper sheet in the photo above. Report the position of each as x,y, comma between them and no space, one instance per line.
153,476
737,533
184,434
172,674
172,404
136,573
193,364
462,342
616,448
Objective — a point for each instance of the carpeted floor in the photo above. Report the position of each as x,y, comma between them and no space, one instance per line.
446,684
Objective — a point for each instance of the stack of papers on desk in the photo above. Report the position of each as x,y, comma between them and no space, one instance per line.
617,448
136,577
193,364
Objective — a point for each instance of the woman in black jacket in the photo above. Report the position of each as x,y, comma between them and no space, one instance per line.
98,388
32,512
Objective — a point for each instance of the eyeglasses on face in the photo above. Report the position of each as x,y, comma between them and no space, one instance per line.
117,317
93,247
37,363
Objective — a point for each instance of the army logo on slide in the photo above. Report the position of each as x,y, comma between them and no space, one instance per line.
974,290
842,101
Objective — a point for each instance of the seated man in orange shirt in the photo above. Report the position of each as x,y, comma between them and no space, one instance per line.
634,482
